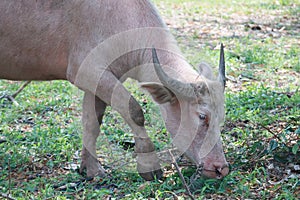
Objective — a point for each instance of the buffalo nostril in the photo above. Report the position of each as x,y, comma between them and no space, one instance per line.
219,174
221,171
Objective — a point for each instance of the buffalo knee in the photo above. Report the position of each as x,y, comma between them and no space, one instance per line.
136,112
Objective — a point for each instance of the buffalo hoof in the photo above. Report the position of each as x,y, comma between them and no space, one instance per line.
91,165
92,169
153,175
149,167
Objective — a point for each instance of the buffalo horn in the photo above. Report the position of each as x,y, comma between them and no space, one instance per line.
182,89
222,77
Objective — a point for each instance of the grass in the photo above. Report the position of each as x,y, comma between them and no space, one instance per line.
40,155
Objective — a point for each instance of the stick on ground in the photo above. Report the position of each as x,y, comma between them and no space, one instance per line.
181,176
20,89
13,96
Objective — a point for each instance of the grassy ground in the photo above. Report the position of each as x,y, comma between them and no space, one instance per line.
40,140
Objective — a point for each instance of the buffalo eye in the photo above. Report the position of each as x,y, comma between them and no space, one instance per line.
202,116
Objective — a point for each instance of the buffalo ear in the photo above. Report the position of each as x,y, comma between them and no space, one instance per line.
159,93
205,70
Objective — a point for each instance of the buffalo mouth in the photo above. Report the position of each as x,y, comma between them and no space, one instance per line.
218,173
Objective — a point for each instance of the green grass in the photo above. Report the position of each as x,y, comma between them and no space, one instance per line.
41,152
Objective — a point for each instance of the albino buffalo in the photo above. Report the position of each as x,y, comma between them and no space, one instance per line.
97,45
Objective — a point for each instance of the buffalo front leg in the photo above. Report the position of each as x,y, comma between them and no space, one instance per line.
147,161
93,110
112,92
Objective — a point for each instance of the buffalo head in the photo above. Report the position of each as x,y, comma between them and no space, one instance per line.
193,113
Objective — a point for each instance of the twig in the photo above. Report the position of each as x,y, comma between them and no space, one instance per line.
10,98
231,79
181,176
20,89
13,96
2,139
266,128
248,77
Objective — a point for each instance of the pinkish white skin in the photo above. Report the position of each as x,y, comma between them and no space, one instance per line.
96,45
